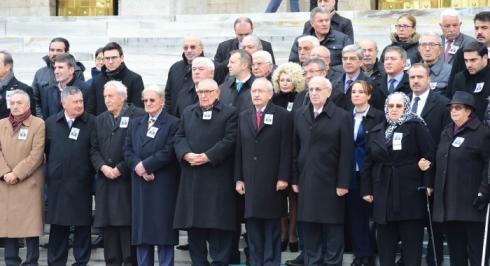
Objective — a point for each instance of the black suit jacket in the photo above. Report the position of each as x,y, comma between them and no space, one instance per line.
380,90
342,99
14,84
338,23
436,114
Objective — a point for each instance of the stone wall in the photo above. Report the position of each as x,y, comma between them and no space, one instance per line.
27,7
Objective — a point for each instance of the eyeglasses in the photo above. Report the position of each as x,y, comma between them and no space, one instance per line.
204,92
428,44
403,26
350,58
455,107
397,106
191,47
151,100
111,58
99,58
312,71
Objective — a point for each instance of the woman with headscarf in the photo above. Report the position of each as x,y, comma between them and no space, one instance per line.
406,37
365,117
395,179
288,81
461,182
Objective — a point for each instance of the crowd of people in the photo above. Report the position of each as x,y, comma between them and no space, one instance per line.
334,150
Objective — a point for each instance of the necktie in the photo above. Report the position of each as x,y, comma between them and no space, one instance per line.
238,85
315,114
415,104
391,88
446,52
151,122
347,85
70,123
258,118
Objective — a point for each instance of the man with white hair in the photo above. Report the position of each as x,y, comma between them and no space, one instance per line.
371,66
179,74
305,45
202,68
113,181
262,66
452,38
430,49
251,43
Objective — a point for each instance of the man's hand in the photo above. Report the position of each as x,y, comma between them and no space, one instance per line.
342,191
295,188
281,185
107,171
115,172
10,179
140,169
368,198
240,187
424,165
148,177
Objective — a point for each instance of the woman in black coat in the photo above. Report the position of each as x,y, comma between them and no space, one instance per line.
461,183
365,117
288,81
407,38
392,180
155,179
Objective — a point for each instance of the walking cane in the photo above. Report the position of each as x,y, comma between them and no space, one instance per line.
485,236
431,231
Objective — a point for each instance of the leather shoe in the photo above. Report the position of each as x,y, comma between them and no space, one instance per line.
298,261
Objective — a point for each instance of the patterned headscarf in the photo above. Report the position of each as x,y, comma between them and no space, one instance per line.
406,115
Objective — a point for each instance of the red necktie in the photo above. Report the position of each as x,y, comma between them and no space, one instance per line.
258,118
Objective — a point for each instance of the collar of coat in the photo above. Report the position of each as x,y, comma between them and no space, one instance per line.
482,75
61,116
218,106
328,108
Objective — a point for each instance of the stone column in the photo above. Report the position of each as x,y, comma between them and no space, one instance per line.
28,8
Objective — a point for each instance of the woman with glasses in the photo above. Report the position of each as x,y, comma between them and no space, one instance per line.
395,179
359,212
288,81
461,181
406,37
155,179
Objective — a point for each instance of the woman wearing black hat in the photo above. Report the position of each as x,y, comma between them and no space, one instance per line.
392,179
461,183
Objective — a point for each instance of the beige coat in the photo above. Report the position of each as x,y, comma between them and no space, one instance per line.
21,205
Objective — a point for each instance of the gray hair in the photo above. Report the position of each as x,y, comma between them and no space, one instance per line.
354,48
8,60
69,91
318,10
269,86
255,40
155,88
450,13
264,55
27,98
204,61
119,86
368,40
397,49
308,38
433,34
315,60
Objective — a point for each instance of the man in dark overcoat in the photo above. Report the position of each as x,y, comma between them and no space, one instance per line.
69,178
262,170
322,163
114,69
205,145
113,180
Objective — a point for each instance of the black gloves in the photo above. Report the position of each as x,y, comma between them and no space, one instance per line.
480,202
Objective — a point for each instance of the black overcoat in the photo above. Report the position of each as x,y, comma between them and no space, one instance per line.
69,172
112,197
153,202
436,114
393,176
462,172
262,158
14,84
207,194
322,162
342,99
380,90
